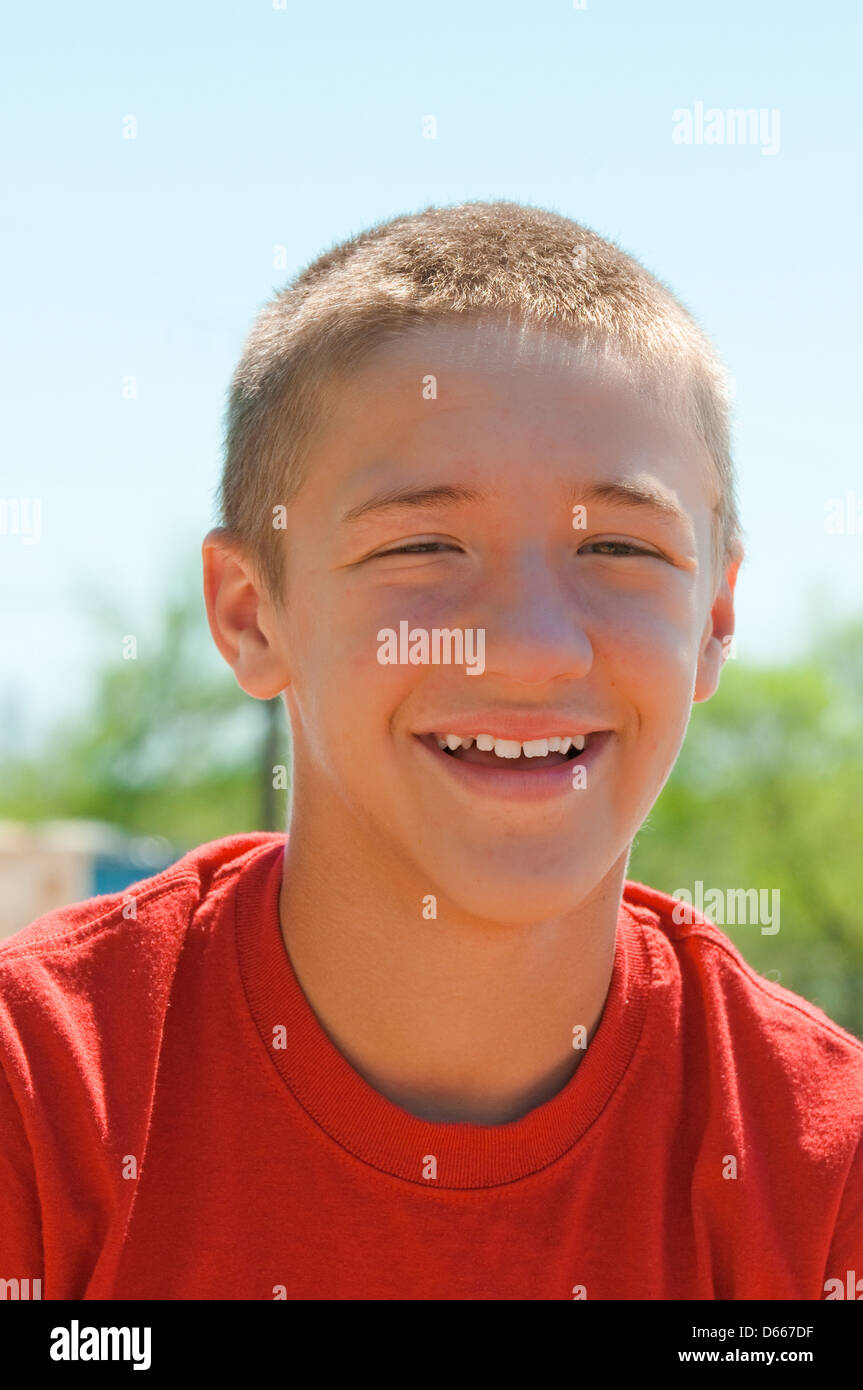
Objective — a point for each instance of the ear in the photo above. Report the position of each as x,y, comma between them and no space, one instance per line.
242,617
718,631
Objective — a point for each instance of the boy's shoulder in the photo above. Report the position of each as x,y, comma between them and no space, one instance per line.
723,1003
149,919
86,991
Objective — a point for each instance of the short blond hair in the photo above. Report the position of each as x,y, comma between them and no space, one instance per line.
490,259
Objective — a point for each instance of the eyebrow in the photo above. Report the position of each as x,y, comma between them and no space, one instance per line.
624,494
441,494
621,494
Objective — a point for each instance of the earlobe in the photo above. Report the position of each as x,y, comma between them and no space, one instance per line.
717,635
240,617
710,663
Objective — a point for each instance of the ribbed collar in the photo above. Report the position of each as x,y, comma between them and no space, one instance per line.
377,1131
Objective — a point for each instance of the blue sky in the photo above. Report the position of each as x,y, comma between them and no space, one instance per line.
260,127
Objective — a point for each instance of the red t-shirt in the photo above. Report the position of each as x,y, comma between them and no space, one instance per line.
175,1124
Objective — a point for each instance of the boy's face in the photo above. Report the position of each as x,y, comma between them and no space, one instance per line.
605,630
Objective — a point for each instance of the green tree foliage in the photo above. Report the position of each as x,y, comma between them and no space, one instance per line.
766,794
169,746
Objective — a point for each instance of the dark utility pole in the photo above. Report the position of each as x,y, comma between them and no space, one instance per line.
271,801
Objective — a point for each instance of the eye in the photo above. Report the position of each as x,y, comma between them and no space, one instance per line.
415,548
623,548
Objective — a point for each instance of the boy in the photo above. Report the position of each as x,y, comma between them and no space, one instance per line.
480,531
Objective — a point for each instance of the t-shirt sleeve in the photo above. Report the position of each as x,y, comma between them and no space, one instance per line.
846,1248
21,1255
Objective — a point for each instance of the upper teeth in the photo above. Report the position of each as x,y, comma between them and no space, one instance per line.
511,748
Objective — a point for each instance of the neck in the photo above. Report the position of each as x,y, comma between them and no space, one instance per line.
454,1018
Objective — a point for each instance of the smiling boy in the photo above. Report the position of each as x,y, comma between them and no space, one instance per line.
434,1044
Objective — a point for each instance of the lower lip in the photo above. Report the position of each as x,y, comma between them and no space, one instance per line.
502,784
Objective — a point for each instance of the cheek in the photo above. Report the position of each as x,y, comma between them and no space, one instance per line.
343,694
651,680
343,634
648,655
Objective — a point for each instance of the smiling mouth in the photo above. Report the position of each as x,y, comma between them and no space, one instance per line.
533,755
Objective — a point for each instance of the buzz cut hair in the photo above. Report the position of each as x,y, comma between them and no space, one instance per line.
484,260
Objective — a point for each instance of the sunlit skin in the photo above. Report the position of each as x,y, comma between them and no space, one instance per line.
469,1016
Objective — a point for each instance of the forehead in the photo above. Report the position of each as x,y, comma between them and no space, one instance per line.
510,396
493,349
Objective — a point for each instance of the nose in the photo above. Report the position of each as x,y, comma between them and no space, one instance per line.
535,626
